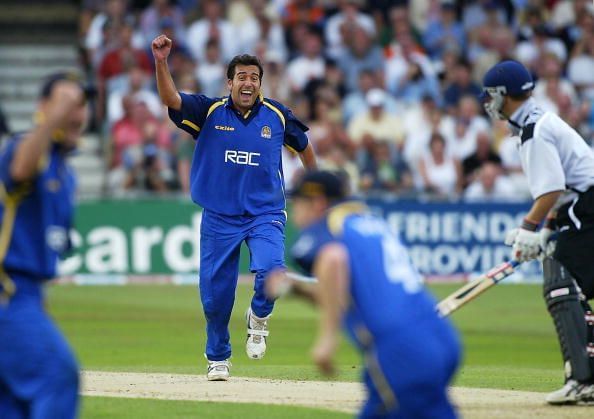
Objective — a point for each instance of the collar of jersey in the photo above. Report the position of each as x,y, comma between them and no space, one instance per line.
252,111
518,118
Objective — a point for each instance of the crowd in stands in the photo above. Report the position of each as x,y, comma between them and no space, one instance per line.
389,89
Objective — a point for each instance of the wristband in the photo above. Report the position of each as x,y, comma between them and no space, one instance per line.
529,225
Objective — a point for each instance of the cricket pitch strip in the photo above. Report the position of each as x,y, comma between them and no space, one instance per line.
473,403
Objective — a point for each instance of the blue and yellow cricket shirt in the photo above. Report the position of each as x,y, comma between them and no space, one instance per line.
36,215
237,163
386,293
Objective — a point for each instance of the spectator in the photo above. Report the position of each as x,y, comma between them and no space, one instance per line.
151,20
89,9
579,68
333,78
360,53
135,128
491,186
497,46
418,81
566,12
297,12
309,65
461,131
212,26
137,88
421,121
532,51
399,26
210,72
577,23
482,14
354,103
337,160
117,62
488,21
385,170
115,11
262,25
181,62
461,85
339,24
532,18
274,85
441,173
551,89
375,124
444,31
141,156
484,154
326,130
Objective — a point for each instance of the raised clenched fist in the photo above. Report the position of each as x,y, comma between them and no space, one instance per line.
161,47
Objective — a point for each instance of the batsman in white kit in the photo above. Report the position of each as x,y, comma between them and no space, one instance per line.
560,170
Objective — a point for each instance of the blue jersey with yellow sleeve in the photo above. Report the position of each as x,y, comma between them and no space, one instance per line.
36,215
385,288
237,166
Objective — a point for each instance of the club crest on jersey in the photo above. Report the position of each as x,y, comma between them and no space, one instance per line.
266,132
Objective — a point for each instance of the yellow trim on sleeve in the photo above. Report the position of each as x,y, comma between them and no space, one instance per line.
291,149
10,203
215,105
340,212
277,111
191,125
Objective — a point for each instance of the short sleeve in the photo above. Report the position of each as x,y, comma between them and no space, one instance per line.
295,130
541,163
192,114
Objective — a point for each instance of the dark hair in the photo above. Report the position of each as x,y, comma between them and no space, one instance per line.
243,59
436,137
50,82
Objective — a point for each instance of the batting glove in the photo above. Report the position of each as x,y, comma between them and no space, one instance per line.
546,244
525,242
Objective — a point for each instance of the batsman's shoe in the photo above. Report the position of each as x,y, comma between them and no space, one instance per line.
218,370
572,393
257,330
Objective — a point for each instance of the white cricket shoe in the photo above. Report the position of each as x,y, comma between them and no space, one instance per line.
218,370
572,393
257,330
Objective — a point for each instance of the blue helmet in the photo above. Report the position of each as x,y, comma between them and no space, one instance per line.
507,78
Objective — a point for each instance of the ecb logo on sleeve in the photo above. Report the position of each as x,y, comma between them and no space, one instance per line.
266,132
56,238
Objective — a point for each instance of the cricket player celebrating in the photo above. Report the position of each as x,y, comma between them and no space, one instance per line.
38,372
555,159
237,178
366,280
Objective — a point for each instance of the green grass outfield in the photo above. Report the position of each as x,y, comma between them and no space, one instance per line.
508,338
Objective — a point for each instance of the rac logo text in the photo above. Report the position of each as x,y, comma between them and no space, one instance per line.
242,157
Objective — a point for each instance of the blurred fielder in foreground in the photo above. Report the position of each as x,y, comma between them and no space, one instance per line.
38,372
237,178
555,159
367,281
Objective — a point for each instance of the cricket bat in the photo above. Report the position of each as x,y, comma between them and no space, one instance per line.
475,288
